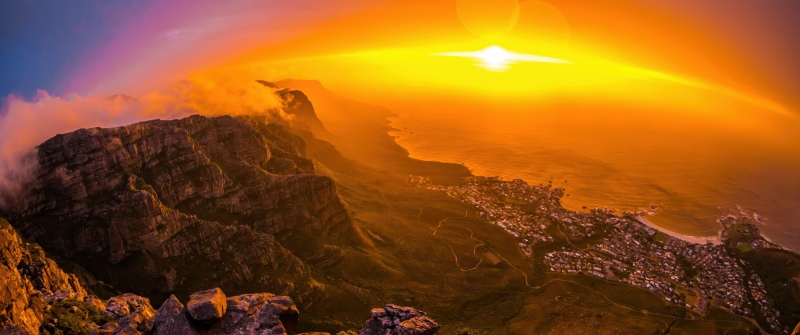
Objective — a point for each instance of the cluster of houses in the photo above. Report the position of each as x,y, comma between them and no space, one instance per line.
573,262
628,251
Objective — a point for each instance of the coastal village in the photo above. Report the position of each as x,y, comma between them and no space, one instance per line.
618,248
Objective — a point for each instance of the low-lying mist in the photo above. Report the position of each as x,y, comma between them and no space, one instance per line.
24,124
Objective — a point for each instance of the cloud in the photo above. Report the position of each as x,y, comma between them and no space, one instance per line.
24,124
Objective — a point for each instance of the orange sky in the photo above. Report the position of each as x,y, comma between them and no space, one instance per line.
273,40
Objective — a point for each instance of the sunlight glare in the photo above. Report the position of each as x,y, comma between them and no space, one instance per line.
495,58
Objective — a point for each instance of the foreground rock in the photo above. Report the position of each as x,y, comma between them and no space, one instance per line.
207,305
397,320
260,313
132,313
30,282
38,296
172,318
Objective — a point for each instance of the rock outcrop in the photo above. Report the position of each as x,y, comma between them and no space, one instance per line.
175,206
30,281
398,320
260,313
133,314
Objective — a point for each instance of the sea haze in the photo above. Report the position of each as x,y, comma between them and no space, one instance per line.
693,166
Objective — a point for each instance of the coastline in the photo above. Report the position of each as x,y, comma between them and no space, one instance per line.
396,131
688,238
640,218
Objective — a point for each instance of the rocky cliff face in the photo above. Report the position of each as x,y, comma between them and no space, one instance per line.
30,281
180,205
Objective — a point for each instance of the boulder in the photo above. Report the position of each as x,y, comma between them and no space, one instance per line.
399,320
207,305
172,318
420,325
259,313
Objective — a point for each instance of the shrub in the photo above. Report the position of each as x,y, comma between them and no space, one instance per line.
59,319
469,331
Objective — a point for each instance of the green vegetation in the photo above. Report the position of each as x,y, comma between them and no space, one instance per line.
780,270
469,331
744,247
514,201
620,274
690,271
72,317
660,237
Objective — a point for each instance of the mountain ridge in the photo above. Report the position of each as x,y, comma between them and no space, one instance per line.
184,188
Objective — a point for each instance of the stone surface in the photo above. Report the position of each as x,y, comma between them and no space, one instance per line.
166,199
134,314
399,320
260,313
207,305
172,318
106,329
127,304
30,281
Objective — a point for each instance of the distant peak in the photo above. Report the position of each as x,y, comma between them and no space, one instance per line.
121,97
267,84
299,83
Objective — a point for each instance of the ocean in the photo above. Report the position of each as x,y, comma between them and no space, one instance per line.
685,168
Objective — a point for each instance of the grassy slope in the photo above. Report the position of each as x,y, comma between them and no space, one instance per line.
407,265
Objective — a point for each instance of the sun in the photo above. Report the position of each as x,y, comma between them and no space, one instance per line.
496,58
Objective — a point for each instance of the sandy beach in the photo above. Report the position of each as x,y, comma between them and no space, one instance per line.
687,238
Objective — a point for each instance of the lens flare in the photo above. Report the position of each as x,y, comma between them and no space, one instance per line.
495,58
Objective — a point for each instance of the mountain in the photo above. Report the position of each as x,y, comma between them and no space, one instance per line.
297,104
359,131
176,206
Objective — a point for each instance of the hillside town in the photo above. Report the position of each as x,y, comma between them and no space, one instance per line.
616,248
